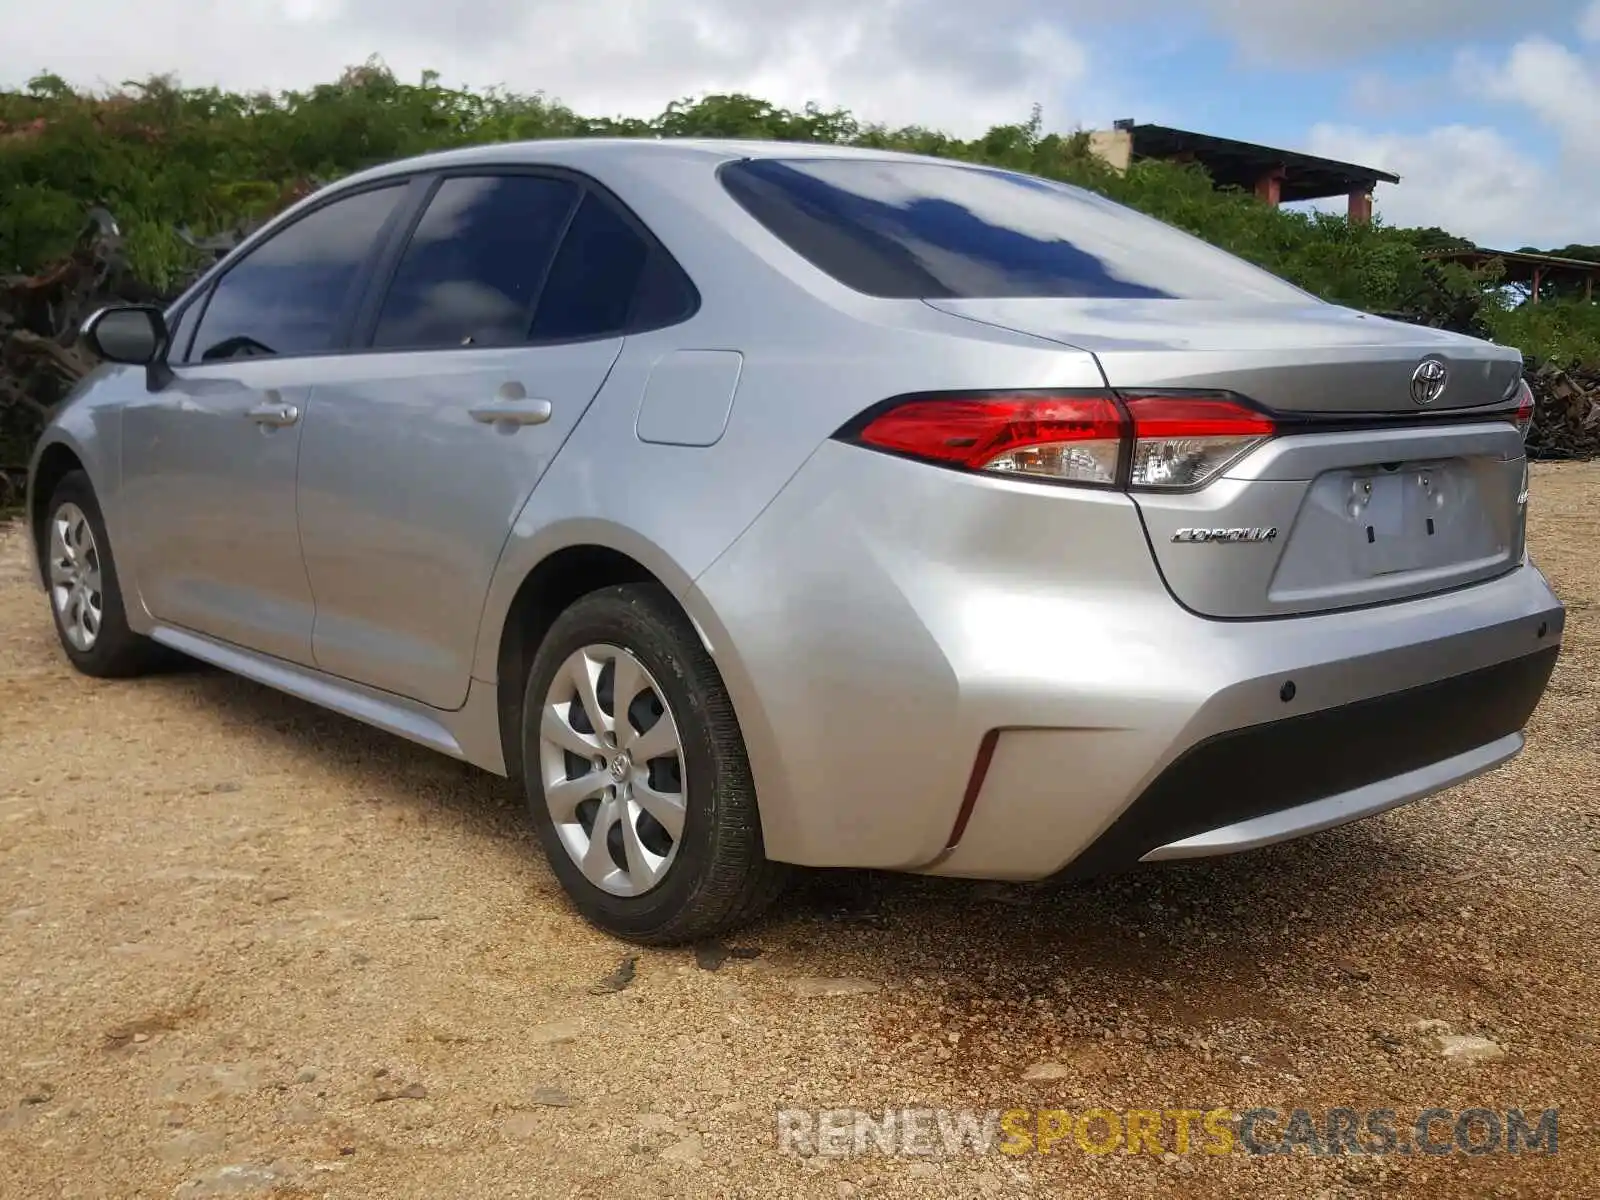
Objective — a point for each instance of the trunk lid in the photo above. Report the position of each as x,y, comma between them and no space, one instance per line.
1328,515
1311,358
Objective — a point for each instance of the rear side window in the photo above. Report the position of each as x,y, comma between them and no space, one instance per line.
607,279
914,230
473,269
289,295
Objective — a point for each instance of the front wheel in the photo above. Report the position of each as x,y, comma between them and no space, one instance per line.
636,773
85,594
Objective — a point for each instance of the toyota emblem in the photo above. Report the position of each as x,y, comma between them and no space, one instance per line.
1428,380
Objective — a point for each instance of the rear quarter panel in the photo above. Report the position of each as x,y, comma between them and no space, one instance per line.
675,509
678,509
814,355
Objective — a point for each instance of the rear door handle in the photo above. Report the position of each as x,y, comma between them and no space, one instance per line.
517,412
273,415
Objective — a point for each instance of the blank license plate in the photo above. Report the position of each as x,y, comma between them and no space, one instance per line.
1392,529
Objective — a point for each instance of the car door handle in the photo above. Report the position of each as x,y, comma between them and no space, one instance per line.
520,412
273,415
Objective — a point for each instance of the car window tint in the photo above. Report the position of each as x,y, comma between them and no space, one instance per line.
288,295
927,230
595,276
664,296
472,270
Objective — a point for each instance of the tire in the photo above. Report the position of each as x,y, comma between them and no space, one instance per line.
652,888
112,650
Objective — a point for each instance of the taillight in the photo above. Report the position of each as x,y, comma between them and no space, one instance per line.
1068,437
1168,440
1524,408
1184,441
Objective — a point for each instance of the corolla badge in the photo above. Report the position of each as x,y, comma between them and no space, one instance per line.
1243,534
1428,381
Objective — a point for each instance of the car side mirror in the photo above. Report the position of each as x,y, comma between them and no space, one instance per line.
135,334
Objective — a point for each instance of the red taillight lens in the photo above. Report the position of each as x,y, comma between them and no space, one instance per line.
1157,440
1063,436
1184,441
1524,408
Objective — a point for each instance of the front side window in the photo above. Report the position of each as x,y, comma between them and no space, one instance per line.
473,269
289,295
927,231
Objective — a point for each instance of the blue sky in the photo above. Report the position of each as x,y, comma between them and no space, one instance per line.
1488,109
1201,79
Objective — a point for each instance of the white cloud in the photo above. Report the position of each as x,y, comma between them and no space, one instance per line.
950,65
1558,86
1482,182
1472,181
1330,30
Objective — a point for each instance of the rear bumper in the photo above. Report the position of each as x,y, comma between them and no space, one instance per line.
1279,825
882,620
1266,783
1388,706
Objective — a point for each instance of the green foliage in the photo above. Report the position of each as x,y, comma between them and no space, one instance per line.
164,158
1565,332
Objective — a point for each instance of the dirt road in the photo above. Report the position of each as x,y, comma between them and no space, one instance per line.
247,946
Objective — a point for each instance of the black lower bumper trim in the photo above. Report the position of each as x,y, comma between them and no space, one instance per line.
1261,769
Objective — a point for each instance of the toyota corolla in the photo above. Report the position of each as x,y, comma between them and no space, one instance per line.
759,505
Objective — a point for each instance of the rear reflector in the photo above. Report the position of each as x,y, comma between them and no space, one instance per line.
980,770
1169,440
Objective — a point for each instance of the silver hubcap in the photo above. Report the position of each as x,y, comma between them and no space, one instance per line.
75,577
612,764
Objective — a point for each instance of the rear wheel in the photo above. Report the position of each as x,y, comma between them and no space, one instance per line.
85,595
636,774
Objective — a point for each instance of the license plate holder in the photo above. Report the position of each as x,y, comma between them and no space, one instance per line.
1386,506
1394,523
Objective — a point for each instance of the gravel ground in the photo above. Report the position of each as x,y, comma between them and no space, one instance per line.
246,945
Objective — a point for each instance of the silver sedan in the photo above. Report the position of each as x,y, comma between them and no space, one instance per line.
760,505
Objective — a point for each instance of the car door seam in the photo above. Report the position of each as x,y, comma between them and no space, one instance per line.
511,528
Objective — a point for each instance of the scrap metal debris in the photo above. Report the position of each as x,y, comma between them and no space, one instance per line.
1566,412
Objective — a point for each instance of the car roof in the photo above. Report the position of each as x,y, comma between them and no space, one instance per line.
598,153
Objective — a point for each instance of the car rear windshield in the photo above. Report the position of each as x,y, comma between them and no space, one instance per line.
912,230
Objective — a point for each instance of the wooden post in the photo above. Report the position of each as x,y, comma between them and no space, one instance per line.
1538,277
1361,207
1588,289
1270,186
